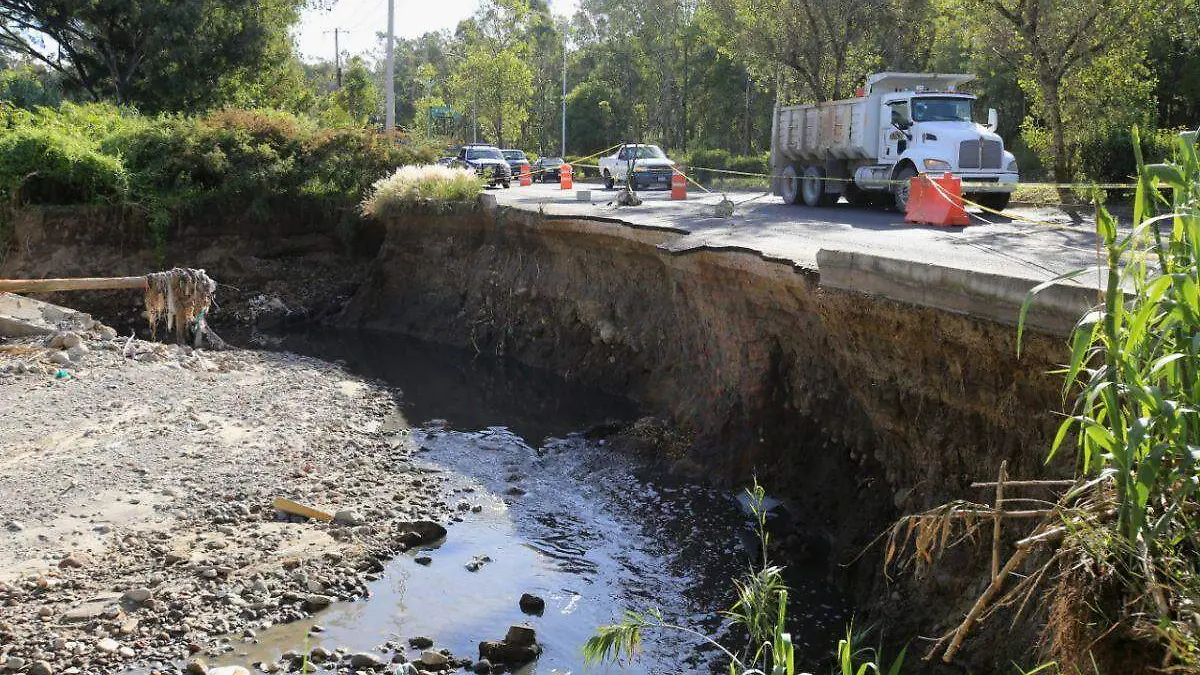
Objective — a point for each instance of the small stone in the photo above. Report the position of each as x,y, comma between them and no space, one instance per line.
482,667
423,560
68,340
77,353
75,561
365,660
229,670
433,659
14,663
127,652
317,628
320,654
61,358
108,645
420,642
522,636
348,517
15,526
316,602
532,604
138,595
41,668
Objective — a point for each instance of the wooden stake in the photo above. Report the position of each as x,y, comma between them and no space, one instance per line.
997,519
83,284
1028,483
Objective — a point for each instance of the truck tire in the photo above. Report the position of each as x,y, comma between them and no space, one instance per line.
815,189
996,201
609,183
900,188
789,185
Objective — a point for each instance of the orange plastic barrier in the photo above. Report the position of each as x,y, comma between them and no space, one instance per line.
678,186
526,176
564,178
933,206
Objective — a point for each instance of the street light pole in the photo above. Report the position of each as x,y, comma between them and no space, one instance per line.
389,115
564,95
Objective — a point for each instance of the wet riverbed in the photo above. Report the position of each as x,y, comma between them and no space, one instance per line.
558,514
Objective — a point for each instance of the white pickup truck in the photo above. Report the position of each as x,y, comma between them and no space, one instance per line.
900,125
649,163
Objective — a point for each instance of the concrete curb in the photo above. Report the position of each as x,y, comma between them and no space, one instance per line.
991,296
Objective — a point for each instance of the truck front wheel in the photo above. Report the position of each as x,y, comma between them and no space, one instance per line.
608,180
901,187
789,185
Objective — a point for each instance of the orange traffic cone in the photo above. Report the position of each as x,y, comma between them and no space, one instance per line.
678,186
526,176
564,178
939,204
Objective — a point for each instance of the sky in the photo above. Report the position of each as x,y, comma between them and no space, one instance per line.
360,20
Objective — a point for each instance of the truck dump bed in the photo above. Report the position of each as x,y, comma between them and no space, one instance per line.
844,129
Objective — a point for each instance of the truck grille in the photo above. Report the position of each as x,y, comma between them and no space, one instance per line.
980,154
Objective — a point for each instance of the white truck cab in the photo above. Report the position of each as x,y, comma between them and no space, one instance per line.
869,146
649,164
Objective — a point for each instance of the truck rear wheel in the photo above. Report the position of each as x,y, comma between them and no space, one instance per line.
789,185
901,187
815,189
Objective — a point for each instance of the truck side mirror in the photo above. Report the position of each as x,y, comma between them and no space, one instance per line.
993,119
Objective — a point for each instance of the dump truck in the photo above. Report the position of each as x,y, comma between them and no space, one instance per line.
898,126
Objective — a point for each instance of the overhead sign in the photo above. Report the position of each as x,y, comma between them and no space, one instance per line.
444,112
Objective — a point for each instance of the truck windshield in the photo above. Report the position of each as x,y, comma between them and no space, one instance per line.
514,154
484,153
941,110
647,152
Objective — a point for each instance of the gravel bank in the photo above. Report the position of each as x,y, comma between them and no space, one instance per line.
136,487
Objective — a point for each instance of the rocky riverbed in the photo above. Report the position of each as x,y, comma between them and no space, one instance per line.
137,487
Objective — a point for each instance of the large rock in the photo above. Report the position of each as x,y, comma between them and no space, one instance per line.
365,661
519,646
419,533
349,517
532,604
432,659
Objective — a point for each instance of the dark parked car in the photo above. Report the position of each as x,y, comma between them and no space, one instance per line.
547,169
487,161
515,159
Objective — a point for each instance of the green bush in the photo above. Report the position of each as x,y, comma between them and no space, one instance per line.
706,159
47,166
751,163
1107,155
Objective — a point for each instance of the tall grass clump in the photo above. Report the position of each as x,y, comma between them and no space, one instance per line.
1134,423
413,186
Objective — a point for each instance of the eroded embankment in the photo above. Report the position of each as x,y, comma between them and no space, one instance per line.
302,265
852,407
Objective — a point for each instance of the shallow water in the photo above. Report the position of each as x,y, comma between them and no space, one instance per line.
593,532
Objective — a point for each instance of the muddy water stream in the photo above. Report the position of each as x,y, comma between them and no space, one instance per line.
591,531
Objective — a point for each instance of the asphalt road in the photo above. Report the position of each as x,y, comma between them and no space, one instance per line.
1045,243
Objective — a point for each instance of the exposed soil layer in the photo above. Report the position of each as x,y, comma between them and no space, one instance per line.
286,269
852,408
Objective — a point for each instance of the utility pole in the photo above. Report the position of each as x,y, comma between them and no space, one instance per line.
564,95
389,77
337,56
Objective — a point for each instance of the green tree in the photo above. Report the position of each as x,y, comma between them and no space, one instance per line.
497,86
359,96
154,54
27,87
1055,42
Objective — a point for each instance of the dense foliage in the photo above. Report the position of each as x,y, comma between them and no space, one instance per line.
231,162
414,186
